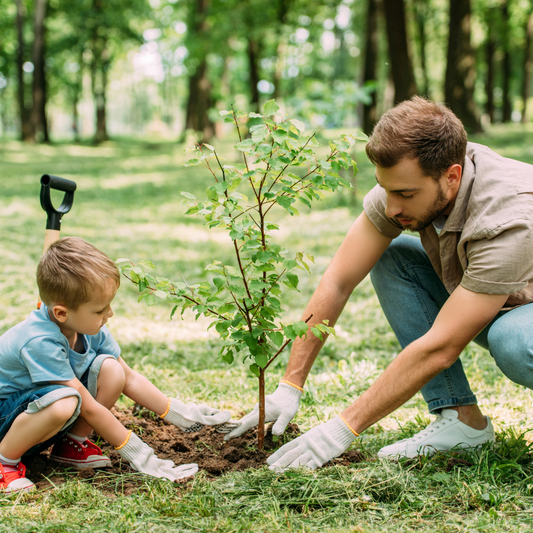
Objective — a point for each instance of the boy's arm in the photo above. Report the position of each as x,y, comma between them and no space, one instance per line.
98,416
187,417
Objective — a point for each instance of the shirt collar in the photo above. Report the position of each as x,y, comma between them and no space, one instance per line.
457,218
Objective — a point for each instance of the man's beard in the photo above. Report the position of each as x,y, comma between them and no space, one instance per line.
437,208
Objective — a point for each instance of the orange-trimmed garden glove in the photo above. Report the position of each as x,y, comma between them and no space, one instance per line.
280,407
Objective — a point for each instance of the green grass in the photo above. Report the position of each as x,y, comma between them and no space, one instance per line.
128,204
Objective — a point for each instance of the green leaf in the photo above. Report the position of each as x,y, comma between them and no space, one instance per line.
142,285
300,328
276,337
228,357
260,134
284,201
246,146
263,256
212,148
299,125
293,280
254,369
173,312
212,194
188,195
226,308
219,282
270,108
160,294
192,162
255,115
261,359
279,136
224,113
289,264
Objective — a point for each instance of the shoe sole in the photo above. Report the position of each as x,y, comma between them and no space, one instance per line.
99,463
8,493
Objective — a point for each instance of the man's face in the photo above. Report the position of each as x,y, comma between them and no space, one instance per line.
413,199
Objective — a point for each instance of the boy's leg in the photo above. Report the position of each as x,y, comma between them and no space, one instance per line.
29,421
105,381
411,295
106,388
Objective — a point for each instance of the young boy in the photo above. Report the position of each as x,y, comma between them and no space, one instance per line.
61,371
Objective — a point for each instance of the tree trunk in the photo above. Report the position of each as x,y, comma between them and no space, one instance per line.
506,97
38,113
490,50
400,60
100,94
26,132
282,10
460,71
261,423
199,101
526,80
253,68
421,15
370,64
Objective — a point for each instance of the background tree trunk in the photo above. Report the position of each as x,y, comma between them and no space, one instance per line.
253,69
199,101
490,50
400,60
26,131
460,71
38,113
370,64
526,80
506,74
421,9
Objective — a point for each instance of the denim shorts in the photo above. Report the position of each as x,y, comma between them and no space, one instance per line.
34,400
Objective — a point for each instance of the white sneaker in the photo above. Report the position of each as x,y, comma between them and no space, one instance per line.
445,433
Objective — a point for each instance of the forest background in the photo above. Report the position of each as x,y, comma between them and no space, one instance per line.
91,69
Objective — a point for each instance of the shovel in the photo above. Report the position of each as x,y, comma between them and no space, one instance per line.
54,218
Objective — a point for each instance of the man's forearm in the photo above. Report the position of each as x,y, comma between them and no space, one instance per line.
415,366
326,304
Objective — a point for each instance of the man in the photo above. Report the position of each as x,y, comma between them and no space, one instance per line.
468,277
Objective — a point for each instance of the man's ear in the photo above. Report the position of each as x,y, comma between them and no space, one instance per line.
453,177
60,313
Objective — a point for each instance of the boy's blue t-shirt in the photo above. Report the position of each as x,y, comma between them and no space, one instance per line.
36,352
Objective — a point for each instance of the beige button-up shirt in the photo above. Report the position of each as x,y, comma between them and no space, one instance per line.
486,244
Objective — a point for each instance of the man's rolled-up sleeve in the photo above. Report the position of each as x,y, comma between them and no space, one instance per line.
374,205
502,264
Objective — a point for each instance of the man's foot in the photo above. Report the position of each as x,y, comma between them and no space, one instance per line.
445,433
80,455
13,479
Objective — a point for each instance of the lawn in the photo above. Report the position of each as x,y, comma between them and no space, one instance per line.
128,204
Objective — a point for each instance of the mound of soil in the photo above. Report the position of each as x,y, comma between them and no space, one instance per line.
207,448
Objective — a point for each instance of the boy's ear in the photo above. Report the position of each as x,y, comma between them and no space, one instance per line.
60,313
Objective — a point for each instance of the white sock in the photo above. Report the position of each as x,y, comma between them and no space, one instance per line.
81,440
9,462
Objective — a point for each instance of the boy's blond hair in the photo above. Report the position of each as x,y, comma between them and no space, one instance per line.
71,271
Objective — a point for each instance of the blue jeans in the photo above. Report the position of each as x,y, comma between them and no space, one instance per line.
411,295
34,400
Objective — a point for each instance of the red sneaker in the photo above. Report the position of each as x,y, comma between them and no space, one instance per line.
79,454
13,479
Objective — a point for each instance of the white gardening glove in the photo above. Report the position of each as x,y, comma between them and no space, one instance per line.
280,406
314,448
142,458
191,418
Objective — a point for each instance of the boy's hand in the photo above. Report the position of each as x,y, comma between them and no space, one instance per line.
142,458
192,417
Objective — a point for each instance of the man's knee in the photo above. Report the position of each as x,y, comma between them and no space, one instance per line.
512,350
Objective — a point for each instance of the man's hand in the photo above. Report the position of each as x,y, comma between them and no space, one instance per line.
142,458
314,448
192,417
281,406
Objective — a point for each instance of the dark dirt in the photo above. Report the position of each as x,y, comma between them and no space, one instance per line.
207,448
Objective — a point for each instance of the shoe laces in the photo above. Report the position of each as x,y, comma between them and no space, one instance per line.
436,424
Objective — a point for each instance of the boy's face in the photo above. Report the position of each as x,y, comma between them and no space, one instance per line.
89,318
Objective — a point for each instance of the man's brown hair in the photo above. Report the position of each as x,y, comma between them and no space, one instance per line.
72,272
422,130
